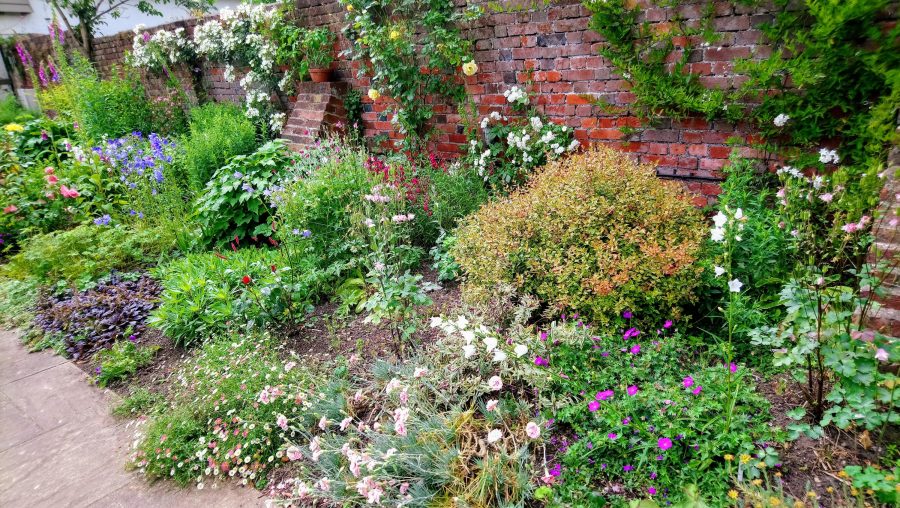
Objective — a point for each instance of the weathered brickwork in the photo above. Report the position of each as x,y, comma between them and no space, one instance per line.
553,49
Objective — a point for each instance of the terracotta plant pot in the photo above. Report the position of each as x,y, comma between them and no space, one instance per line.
320,75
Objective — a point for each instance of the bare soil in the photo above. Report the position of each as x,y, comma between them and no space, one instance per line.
813,465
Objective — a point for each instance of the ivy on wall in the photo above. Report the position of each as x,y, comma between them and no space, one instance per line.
833,75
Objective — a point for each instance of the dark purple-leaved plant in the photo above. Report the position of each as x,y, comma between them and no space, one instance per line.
94,319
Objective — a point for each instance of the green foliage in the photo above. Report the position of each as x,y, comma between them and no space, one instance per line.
17,298
847,66
762,260
354,108
594,234
140,401
122,360
234,204
819,340
394,40
46,187
84,253
318,47
834,66
12,111
218,132
201,291
110,107
442,255
642,55
881,482
647,416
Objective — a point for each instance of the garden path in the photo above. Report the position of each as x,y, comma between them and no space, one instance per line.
60,447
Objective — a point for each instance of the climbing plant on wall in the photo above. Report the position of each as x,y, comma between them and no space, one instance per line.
410,49
833,74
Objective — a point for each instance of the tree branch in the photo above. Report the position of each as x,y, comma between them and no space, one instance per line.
112,7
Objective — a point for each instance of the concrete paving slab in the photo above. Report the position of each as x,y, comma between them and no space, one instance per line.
15,427
60,447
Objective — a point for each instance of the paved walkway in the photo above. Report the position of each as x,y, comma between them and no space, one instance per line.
59,446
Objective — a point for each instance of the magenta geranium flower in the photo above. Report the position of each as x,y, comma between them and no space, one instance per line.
635,349
612,436
697,390
632,390
604,395
651,490
541,362
668,324
628,467
688,382
593,405
664,443
631,332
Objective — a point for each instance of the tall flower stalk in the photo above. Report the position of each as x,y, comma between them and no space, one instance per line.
727,229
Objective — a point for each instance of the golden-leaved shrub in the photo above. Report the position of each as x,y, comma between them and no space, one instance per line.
595,233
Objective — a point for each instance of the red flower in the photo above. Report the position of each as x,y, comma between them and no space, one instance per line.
246,279
273,268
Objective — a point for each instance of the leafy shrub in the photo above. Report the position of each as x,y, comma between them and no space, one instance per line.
234,203
595,233
109,107
201,292
217,133
123,359
513,147
95,319
85,253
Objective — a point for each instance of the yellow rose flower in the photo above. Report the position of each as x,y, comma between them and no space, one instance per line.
394,35
732,494
374,94
13,127
470,68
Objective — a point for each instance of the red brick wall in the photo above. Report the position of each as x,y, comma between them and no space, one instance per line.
559,49
554,42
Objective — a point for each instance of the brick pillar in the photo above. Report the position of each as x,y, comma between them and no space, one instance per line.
887,245
318,108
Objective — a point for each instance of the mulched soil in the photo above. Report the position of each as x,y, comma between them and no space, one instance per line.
809,464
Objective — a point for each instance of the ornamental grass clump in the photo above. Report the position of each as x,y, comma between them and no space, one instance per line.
595,233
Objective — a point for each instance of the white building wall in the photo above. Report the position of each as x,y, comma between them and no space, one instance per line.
37,21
